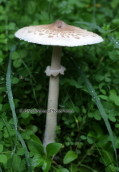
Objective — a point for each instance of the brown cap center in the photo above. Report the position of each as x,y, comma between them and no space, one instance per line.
59,24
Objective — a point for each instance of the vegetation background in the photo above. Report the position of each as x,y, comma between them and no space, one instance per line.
87,141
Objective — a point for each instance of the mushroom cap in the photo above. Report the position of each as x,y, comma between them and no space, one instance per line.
58,34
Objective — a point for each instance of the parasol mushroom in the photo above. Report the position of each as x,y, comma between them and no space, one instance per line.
57,34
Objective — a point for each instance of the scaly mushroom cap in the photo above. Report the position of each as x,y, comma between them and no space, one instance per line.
58,34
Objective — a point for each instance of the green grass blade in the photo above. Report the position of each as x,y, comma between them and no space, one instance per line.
27,153
28,70
92,25
10,96
115,42
98,103
101,156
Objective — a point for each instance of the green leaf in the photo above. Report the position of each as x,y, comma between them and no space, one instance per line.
98,129
74,83
1,107
1,135
62,170
90,140
17,63
37,160
69,157
109,160
103,97
1,59
80,80
31,7
103,91
53,148
103,140
38,87
99,78
116,81
83,137
73,167
11,26
16,161
1,148
35,147
82,169
112,118
1,124
76,109
107,79
90,115
21,151
25,115
46,165
108,106
15,55
3,159
35,138
64,81
115,20
117,125
115,99
15,80
113,92
32,128
11,121
97,115
22,53
26,134
92,134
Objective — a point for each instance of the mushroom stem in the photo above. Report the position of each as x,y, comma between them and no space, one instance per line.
51,118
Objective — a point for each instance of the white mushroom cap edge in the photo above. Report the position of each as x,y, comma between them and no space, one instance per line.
58,34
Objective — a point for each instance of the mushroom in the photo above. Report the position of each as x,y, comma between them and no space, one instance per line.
57,34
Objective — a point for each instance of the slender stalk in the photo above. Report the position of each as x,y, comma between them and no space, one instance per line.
51,118
87,167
